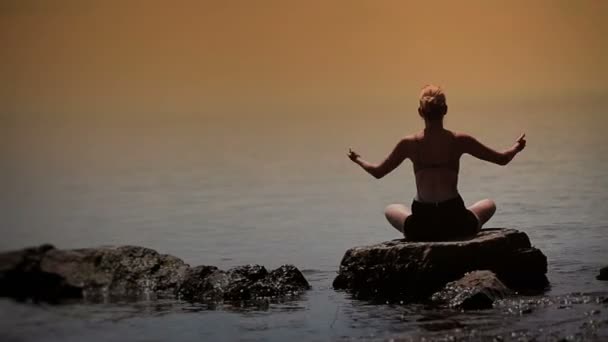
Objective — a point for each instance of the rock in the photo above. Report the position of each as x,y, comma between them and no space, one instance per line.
603,274
21,277
197,281
249,282
49,274
286,280
477,290
415,270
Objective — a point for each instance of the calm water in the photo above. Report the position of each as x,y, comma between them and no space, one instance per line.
275,189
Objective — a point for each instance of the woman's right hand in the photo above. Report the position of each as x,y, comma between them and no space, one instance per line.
353,155
520,143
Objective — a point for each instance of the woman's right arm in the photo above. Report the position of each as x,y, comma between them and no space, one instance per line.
478,150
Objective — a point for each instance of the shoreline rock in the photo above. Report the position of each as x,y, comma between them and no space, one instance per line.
249,282
476,290
413,271
45,273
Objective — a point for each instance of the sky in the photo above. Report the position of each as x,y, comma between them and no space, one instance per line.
216,58
108,107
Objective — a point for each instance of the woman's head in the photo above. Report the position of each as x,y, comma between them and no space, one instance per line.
432,103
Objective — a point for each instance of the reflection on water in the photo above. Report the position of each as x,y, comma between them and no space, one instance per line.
575,316
274,191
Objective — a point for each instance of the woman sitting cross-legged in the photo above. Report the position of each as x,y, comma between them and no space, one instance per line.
437,212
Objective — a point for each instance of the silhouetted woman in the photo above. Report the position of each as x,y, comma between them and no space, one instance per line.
438,211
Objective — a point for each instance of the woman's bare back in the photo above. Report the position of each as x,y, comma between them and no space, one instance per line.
436,162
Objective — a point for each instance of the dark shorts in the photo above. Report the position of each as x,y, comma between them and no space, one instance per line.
448,220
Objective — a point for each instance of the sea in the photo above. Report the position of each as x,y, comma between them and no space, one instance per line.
275,188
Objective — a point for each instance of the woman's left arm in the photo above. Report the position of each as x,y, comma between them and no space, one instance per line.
394,159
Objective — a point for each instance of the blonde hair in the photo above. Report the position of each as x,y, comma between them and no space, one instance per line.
432,102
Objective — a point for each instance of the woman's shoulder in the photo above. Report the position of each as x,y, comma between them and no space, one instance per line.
407,144
417,136
414,136
464,141
461,136
410,140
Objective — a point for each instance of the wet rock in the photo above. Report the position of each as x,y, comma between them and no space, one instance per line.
47,273
197,283
21,276
50,274
475,291
603,274
242,283
285,280
400,269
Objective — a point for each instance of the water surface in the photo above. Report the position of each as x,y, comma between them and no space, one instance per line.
274,189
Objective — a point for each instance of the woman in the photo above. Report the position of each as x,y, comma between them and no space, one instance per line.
437,212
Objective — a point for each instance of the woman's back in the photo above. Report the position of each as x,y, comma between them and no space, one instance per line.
436,162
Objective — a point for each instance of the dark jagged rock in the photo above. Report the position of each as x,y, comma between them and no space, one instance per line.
21,276
400,269
49,274
89,272
196,282
603,274
285,280
477,290
248,282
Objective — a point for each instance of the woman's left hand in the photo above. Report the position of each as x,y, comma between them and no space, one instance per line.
520,143
353,155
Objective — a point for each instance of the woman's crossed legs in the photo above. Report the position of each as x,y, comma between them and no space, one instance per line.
397,213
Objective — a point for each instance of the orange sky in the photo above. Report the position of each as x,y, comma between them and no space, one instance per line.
70,55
